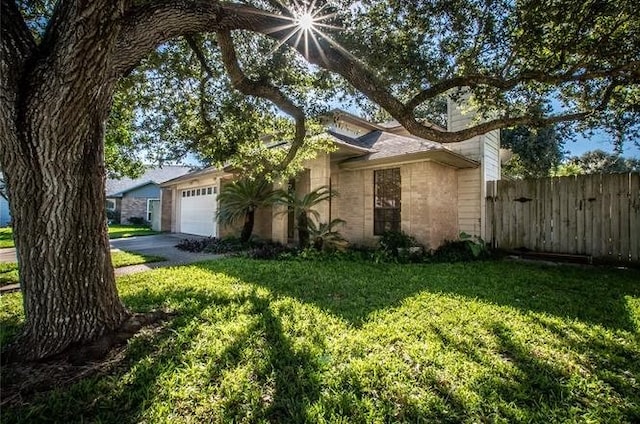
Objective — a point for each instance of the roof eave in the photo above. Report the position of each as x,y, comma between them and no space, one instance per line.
442,156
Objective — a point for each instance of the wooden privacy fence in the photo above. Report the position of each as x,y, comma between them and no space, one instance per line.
594,215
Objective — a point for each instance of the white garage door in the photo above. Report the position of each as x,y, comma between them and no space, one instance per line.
198,211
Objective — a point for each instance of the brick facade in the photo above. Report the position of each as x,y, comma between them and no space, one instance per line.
166,206
133,207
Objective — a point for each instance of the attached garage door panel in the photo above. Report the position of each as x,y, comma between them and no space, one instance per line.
198,211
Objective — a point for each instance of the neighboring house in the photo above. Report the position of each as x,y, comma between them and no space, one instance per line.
386,179
135,198
5,215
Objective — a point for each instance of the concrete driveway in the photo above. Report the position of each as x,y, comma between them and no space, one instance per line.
156,245
145,243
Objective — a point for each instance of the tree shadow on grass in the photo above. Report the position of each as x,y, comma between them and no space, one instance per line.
286,378
527,386
355,290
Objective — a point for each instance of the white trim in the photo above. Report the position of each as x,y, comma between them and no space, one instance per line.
148,215
110,204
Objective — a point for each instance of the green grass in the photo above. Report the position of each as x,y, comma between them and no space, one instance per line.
119,258
116,231
6,237
366,343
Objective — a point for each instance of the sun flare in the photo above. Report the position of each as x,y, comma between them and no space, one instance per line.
305,21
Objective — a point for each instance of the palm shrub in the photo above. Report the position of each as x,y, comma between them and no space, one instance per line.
303,209
240,200
325,237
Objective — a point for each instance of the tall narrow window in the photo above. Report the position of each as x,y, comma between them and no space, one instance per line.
386,200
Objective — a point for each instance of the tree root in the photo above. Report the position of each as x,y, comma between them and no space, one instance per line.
21,380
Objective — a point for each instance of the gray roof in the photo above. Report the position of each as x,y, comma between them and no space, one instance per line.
382,144
115,188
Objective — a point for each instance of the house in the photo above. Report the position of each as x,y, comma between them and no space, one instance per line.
135,198
5,215
387,179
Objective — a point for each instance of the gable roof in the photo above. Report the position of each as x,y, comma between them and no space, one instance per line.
116,188
383,146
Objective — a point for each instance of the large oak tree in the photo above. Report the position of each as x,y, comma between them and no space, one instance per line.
61,63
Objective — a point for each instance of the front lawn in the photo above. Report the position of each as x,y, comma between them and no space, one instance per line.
116,231
6,237
352,342
119,258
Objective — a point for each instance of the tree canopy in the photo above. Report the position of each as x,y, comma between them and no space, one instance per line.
599,162
517,58
218,76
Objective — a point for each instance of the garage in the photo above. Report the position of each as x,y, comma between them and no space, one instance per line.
198,211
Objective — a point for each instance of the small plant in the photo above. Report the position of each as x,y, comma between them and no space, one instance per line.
272,251
303,209
400,246
467,248
477,246
138,220
113,217
194,245
213,245
324,237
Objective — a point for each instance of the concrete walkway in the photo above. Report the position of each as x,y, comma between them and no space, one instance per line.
156,245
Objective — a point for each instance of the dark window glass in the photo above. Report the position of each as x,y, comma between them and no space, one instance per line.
386,200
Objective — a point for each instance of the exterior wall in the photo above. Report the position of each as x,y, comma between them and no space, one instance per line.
429,202
279,217
262,227
133,207
5,215
320,175
151,191
134,203
117,209
166,208
472,182
428,208
354,204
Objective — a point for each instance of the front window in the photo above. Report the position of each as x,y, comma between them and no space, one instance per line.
386,200
111,204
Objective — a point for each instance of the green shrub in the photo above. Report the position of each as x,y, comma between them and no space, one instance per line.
467,248
138,220
401,247
113,217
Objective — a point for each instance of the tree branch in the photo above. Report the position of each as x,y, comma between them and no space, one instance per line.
149,25
16,47
630,70
262,89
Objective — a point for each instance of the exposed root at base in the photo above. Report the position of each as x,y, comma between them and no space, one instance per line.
22,380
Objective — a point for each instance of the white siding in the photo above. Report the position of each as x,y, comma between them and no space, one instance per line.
472,182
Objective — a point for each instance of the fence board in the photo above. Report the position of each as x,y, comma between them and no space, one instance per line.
623,217
634,217
548,215
597,215
580,215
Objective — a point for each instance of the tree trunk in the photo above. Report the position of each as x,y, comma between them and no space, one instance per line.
51,138
247,228
60,231
303,230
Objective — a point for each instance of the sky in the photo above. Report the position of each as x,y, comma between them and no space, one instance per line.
600,141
